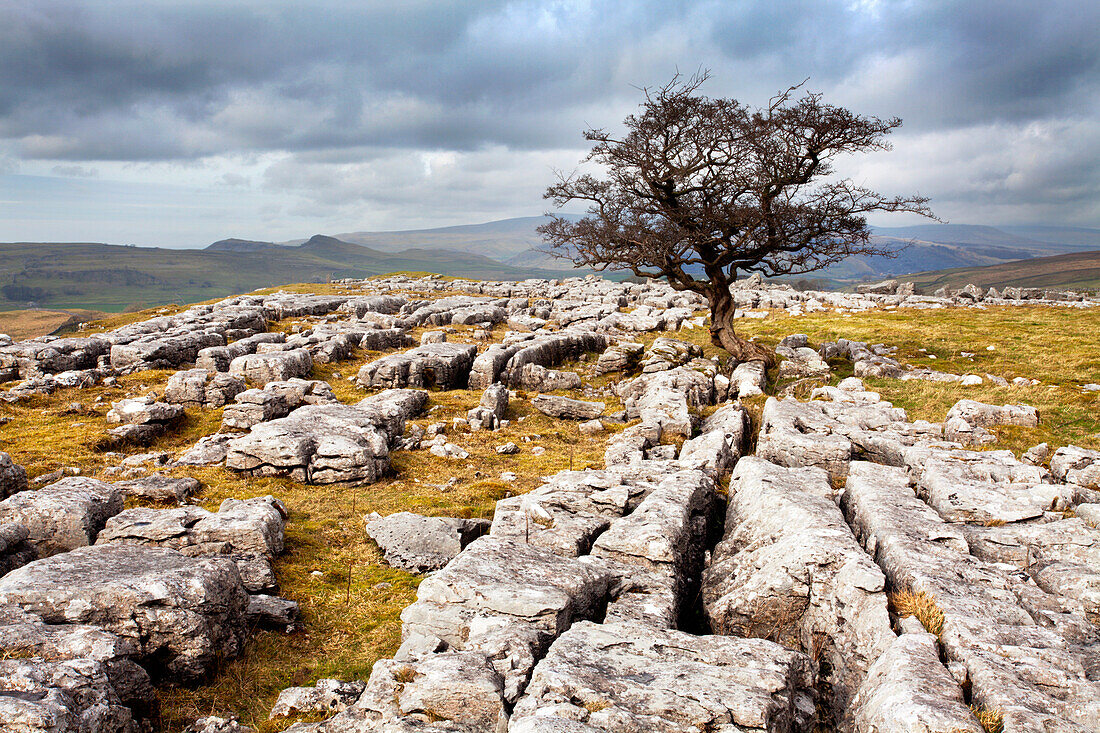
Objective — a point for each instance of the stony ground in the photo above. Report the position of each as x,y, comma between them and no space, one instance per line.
669,545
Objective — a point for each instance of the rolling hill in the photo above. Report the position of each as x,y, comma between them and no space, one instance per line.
1077,270
110,277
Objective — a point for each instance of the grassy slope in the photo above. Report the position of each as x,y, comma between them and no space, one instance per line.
1078,270
110,277
348,625
25,324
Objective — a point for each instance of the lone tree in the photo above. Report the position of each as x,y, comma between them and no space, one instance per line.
700,189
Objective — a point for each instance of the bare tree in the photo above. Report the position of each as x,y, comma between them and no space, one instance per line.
700,189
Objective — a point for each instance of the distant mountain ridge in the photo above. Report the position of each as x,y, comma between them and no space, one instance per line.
1073,271
108,277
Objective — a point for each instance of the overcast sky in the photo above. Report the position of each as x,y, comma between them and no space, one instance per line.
179,123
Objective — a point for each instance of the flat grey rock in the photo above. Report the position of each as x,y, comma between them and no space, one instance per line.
566,408
633,678
185,613
421,544
65,514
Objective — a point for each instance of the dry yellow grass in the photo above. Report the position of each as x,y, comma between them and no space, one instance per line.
993,721
921,605
25,324
347,626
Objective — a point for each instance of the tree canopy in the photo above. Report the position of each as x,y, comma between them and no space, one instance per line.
698,190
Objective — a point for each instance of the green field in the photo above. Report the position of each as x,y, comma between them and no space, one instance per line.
110,278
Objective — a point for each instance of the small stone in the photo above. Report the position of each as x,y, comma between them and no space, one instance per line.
591,427
507,449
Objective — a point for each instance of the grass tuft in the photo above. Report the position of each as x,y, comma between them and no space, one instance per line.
993,721
921,605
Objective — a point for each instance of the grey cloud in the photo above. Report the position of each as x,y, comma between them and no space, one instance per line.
354,95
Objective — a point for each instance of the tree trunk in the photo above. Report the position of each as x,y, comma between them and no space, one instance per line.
723,334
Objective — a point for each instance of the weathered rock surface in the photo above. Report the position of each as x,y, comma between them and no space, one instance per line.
504,362
326,696
668,398
182,612
314,444
621,357
1076,466
421,544
538,378
13,477
490,410
442,366
142,411
15,551
218,358
1036,675
567,408
160,488
249,531
202,388
721,441
63,515
788,568
633,678
748,380
276,366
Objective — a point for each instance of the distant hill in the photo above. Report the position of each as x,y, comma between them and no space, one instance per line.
501,240
109,277
240,245
919,248
1077,270
934,247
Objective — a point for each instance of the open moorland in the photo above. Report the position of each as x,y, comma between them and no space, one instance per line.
424,503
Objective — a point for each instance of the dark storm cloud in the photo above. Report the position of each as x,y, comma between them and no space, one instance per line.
357,89
189,79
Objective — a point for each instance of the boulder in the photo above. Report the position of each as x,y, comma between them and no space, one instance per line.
202,388
325,443
160,488
720,442
566,408
634,678
437,365
749,379
13,477
1075,465
277,366
143,411
326,696
491,410
536,378
886,287
183,613
621,357
15,551
668,398
44,696
421,544
63,515
208,451
102,663
248,531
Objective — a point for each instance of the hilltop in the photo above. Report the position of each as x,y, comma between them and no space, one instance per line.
111,277
1076,271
